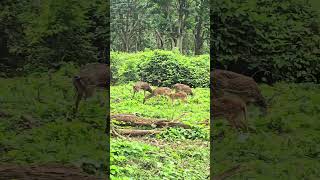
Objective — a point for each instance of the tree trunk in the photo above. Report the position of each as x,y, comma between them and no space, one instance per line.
159,40
198,39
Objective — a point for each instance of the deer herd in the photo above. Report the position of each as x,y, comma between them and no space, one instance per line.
181,91
231,92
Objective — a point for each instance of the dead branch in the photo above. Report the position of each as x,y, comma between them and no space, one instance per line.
115,133
43,172
26,117
27,122
5,114
139,121
230,172
136,132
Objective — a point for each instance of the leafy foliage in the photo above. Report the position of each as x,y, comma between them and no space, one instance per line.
286,138
167,25
51,134
44,33
160,68
277,40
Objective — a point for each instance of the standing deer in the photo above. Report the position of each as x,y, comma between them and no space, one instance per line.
227,82
178,95
141,86
161,91
182,87
233,109
90,77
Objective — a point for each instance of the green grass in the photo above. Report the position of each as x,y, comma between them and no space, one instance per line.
286,145
54,136
176,153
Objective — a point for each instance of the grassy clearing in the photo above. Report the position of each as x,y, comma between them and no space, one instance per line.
286,145
174,154
52,135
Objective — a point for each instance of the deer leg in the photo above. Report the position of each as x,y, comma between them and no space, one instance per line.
243,125
101,98
236,122
134,92
244,122
144,93
79,97
144,100
231,122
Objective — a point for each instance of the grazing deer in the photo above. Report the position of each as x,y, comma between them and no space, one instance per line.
90,77
141,86
227,82
161,91
233,109
182,87
178,95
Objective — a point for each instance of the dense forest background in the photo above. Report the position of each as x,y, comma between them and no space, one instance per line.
39,34
160,24
267,39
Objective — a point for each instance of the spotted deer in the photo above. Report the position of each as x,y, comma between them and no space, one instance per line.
90,77
161,91
233,109
178,95
139,86
182,87
227,82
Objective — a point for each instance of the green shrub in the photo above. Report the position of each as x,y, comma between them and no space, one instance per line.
164,70
278,39
160,68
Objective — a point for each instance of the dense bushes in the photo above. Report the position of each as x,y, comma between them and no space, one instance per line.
278,39
36,35
160,68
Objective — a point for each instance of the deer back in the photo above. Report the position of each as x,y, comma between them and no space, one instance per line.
178,95
182,87
234,83
162,91
95,74
142,86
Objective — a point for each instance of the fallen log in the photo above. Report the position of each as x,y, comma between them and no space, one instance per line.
5,114
43,172
135,132
139,121
27,122
229,173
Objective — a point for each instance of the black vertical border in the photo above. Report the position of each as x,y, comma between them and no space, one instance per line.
213,59
107,131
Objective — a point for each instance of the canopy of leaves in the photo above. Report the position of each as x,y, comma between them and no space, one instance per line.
164,24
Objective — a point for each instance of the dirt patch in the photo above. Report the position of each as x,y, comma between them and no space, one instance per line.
43,172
